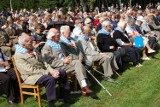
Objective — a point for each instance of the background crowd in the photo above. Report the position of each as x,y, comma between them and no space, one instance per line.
49,44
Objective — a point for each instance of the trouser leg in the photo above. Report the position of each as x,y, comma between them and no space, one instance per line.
63,81
134,55
12,74
7,86
77,67
105,61
49,82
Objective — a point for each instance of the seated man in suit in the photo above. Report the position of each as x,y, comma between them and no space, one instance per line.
52,54
33,71
92,53
106,43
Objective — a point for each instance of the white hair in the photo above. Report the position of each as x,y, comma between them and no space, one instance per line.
64,28
22,39
130,20
50,35
87,20
122,24
106,23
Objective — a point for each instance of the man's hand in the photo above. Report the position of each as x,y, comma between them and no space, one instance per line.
130,44
7,67
6,63
67,60
55,73
102,54
70,59
80,58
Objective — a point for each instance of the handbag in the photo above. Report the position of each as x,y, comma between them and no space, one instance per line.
138,42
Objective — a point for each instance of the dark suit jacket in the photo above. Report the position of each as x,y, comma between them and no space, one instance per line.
119,35
104,42
74,52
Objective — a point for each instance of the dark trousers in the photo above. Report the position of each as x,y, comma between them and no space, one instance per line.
119,53
152,42
133,54
9,84
50,84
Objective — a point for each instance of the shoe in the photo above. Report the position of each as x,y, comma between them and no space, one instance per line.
64,96
11,102
88,92
146,58
91,95
139,65
86,89
69,101
151,51
51,104
109,79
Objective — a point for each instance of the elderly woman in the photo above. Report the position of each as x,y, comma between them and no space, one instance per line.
132,33
122,39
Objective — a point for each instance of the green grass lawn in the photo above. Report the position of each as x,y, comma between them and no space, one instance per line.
137,87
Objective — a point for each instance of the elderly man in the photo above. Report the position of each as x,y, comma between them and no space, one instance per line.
91,52
106,43
33,71
53,56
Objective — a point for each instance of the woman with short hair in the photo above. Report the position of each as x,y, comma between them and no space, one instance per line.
122,39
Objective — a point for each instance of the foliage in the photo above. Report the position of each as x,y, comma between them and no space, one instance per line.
34,4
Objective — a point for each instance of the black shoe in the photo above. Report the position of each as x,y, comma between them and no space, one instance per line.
91,95
11,102
69,101
51,104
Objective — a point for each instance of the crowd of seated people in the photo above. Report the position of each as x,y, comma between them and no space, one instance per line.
48,46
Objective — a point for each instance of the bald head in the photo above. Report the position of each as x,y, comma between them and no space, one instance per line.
23,38
86,30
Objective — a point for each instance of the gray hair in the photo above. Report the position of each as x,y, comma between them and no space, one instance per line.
22,39
106,23
64,28
50,35
130,20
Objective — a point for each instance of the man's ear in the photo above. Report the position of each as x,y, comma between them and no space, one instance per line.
24,45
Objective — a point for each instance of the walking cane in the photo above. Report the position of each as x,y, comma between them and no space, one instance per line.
99,83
